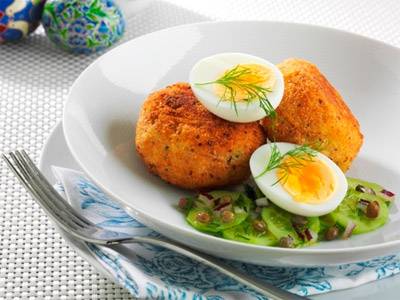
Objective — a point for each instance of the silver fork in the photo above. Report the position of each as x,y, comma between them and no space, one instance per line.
77,225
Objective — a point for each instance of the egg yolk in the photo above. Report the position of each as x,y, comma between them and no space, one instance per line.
245,75
311,181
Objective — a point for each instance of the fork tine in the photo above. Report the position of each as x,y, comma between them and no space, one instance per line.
21,174
46,198
49,190
14,170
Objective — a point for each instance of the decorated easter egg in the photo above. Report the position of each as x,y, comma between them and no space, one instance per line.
83,26
18,18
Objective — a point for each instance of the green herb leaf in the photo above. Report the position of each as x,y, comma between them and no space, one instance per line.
300,155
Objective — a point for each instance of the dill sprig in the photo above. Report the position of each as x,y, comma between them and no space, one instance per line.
300,155
234,80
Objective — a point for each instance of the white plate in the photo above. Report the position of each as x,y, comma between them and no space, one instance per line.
104,102
56,153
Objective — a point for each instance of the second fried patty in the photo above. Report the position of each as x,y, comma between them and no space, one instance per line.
313,112
186,145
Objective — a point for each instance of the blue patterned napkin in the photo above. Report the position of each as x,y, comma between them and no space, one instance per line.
149,272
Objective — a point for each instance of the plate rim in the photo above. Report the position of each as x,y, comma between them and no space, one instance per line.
204,237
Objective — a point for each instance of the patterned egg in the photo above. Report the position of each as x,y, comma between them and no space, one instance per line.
18,18
83,26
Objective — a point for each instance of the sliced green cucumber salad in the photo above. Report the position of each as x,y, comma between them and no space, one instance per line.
248,216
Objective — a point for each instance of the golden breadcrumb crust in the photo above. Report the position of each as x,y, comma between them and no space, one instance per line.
312,112
187,146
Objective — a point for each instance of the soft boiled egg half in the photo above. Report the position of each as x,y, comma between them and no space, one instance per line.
237,87
307,186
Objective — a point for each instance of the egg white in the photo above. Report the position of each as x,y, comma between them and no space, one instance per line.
210,68
278,195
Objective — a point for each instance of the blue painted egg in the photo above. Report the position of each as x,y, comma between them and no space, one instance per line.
83,26
18,18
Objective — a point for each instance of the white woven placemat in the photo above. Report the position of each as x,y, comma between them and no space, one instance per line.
35,263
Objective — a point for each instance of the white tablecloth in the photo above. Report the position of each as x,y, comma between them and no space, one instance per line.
35,263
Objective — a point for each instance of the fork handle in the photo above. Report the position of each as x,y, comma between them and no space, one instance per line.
262,287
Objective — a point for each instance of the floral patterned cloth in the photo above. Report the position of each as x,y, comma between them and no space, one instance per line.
149,272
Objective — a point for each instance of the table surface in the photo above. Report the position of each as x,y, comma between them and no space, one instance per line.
35,263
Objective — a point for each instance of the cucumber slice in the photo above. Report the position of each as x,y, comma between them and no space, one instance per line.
325,223
245,233
279,223
191,218
220,194
241,207
353,182
347,211
313,225
377,188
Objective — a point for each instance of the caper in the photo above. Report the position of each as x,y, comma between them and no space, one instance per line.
286,242
372,210
332,233
259,225
183,202
203,217
227,216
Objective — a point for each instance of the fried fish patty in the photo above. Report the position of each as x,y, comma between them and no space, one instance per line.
313,112
186,145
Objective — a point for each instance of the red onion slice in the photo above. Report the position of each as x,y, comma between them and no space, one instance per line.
262,201
349,230
310,235
362,205
238,210
299,231
223,206
206,195
204,200
388,194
